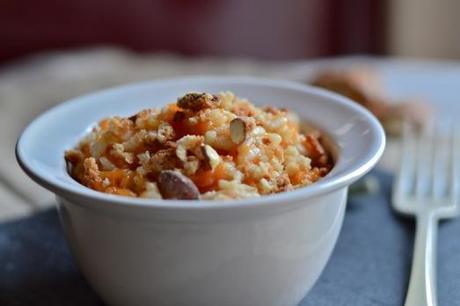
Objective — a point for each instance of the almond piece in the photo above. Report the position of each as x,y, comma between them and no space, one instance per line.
313,146
210,157
175,185
237,130
186,144
315,150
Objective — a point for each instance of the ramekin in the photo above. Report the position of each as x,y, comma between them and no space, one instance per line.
261,251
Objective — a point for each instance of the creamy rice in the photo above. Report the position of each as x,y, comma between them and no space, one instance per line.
203,146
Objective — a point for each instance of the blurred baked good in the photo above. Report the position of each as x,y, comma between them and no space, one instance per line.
363,85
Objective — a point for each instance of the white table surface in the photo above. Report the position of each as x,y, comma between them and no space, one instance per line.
30,86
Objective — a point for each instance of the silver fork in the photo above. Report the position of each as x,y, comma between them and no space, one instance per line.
426,188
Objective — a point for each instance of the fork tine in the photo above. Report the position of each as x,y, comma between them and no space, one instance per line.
453,192
404,178
424,160
438,165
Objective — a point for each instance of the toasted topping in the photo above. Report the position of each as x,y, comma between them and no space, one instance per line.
186,144
165,133
204,146
314,147
274,110
73,157
210,157
175,185
191,166
106,164
315,150
162,160
238,130
118,150
196,101
133,118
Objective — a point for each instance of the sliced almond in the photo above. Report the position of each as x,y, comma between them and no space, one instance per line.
191,166
210,157
74,156
237,130
165,133
315,150
175,185
188,143
72,159
133,118
313,146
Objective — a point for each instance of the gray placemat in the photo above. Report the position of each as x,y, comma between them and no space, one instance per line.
369,266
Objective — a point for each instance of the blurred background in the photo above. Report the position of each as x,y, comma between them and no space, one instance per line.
51,51
399,57
268,29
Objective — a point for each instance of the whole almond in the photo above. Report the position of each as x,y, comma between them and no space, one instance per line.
175,185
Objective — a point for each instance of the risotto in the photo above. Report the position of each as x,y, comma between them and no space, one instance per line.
204,146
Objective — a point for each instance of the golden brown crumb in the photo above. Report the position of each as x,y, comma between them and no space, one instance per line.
197,101
204,146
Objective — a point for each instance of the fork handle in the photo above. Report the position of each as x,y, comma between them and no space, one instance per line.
422,286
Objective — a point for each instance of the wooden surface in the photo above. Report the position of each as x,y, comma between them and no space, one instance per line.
30,87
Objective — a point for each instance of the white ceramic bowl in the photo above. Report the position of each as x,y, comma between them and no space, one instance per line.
263,251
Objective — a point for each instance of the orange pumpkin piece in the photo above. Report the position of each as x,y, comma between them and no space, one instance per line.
119,177
207,180
297,178
171,110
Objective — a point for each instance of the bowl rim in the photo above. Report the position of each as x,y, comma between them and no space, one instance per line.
327,184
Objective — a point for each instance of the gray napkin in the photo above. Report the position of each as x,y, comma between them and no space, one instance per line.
370,264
